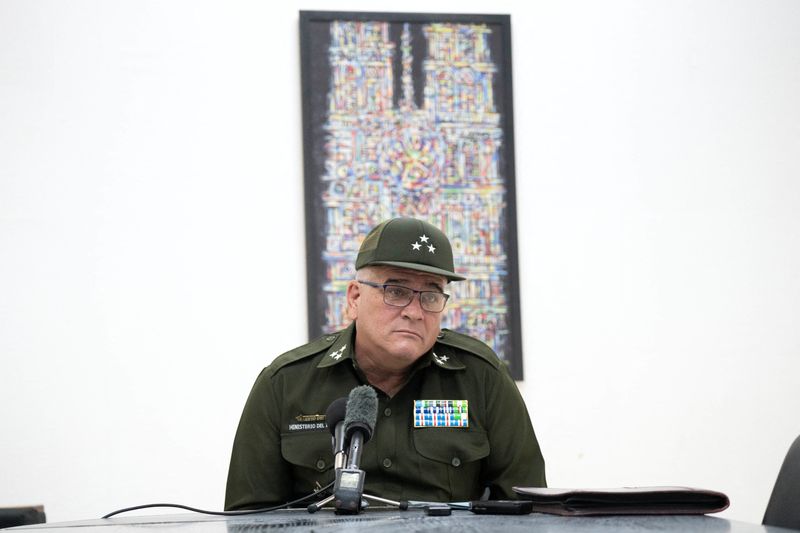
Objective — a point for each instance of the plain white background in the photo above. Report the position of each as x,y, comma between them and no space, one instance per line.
152,254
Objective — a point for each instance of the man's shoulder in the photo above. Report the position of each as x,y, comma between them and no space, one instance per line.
305,352
470,345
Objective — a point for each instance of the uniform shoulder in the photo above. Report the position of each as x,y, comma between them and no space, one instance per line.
470,345
320,344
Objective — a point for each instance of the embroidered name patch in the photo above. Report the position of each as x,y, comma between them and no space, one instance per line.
307,426
441,413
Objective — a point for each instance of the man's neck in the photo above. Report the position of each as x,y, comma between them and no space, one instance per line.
390,381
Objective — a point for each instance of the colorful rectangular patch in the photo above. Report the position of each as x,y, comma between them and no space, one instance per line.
441,414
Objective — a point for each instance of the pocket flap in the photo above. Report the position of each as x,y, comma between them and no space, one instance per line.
310,449
451,445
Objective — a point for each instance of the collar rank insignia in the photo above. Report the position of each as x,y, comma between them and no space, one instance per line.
441,413
337,354
440,360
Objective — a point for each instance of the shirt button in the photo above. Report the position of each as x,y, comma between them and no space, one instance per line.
387,463
387,412
456,462
321,464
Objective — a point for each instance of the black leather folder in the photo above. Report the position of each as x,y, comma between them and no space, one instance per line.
624,501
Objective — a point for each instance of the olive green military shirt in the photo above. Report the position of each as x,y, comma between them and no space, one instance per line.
282,449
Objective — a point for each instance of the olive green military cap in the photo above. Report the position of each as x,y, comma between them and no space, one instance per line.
408,243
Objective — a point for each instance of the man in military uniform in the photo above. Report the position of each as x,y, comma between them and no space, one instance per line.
451,422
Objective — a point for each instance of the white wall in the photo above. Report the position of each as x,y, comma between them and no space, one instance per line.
152,239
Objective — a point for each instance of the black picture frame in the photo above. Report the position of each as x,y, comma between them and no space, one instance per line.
411,114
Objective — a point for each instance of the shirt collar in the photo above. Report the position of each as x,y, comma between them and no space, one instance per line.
440,355
444,357
341,349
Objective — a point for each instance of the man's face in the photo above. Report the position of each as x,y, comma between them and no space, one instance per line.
393,336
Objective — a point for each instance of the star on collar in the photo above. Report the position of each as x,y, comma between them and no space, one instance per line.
440,360
337,354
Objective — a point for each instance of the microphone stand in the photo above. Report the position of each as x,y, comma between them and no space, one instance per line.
314,507
348,496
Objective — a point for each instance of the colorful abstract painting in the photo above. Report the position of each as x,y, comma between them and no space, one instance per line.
411,115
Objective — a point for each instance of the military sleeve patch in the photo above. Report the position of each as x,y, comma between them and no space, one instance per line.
441,413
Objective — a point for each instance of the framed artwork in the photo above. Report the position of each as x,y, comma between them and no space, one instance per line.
410,114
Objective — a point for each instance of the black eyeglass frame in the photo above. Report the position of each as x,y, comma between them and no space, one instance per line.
414,293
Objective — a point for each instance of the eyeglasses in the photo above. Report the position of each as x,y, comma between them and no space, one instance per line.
399,296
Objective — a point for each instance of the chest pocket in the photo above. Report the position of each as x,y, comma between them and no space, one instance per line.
308,450
457,452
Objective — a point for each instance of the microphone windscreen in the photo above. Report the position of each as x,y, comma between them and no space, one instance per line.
362,411
335,414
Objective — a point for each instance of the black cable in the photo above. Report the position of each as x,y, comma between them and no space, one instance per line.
222,513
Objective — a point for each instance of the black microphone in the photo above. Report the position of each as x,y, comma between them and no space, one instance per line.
334,417
359,423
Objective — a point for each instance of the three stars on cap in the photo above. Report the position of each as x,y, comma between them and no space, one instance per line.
424,238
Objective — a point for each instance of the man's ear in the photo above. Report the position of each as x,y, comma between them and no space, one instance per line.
353,296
